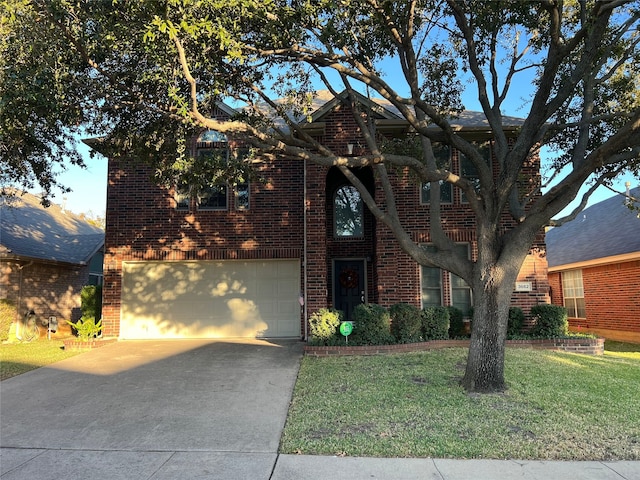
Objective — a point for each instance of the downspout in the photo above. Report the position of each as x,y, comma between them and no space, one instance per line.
304,251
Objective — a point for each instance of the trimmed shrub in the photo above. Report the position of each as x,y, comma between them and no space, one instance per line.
550,321
435,323
323,327
515,321
456,324
91,301
7,317
371,325
406,323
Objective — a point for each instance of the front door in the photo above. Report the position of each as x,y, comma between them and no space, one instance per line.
349,289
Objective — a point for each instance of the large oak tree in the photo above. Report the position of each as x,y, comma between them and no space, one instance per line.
145,75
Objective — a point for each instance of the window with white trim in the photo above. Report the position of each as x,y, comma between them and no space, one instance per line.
573,294
432,284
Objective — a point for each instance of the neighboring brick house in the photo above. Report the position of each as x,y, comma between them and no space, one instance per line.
46,256
256,259
594,269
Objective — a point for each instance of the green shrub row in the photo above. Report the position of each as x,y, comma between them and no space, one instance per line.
376,325
404,323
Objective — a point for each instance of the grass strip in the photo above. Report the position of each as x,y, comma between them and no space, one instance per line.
558,406
18,358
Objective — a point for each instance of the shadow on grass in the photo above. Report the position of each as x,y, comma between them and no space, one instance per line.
614,346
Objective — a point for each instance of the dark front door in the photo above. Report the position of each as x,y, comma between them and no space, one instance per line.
348,285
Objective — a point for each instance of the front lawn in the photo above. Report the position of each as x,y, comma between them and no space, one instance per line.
17,358
558,406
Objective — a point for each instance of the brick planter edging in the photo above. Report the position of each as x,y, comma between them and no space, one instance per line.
587,346
75,344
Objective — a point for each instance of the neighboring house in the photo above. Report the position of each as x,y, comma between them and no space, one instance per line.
46,256
255,259
594,269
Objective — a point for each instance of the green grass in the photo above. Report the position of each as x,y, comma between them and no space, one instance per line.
558,406
18,358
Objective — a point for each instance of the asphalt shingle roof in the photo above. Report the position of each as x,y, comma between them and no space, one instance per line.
27,229
605,229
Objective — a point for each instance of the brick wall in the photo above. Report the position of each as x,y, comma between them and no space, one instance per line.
47,289
612,300
143,224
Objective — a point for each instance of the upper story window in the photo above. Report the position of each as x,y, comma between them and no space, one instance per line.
182,195
469,171
213,155
348,212
442,153
214,196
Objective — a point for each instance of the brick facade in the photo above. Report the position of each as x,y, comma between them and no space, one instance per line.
143,224
47,289
612,300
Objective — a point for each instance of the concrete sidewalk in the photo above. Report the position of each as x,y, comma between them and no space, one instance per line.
41,464
294,467
196,409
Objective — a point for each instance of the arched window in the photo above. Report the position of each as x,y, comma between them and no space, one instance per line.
348,212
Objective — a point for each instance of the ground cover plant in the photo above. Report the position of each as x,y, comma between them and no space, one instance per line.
18,358
558,406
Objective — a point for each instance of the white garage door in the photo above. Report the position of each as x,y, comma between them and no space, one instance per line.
210,299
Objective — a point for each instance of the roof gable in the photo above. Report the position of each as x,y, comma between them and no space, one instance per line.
27,229
605,229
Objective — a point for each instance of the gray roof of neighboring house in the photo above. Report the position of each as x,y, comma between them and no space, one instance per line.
29,230
605,229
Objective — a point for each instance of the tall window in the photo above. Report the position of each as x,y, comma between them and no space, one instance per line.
573,293
241,187
432,284
443,161
214,196
348,218
182,195
469,171
460,291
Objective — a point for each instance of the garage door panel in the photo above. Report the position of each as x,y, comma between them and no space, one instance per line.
210,299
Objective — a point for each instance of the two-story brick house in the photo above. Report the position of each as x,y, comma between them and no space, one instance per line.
255,259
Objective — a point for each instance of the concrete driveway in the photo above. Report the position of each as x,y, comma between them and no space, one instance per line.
150,410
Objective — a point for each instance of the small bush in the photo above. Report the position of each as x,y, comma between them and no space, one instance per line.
550,321
456,323
86,328
515,321
435,323
323,326
91,301
372,325
7,317
406,323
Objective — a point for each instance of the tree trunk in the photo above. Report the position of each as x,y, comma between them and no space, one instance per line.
485,362
493,285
